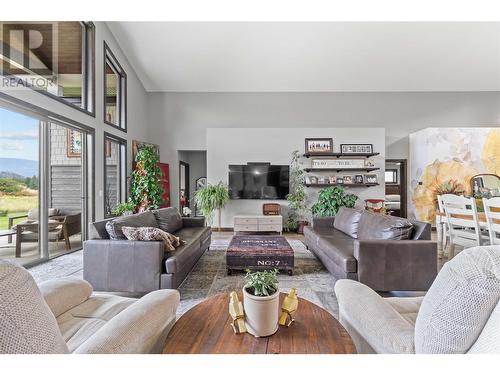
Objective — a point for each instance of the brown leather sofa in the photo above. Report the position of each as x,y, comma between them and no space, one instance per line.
384,252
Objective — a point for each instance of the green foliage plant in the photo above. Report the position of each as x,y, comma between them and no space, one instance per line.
297,197
121,208
211,198
331,199
262,283
146,189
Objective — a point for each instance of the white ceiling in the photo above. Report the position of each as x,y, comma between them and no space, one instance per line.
301,57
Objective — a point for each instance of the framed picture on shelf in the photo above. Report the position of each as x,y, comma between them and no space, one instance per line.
314,180
332,180
322,180
319,145
358,179
356,148
347,180
339,180
371,179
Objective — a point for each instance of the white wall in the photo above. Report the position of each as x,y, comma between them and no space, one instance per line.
136,107
179,121
275,145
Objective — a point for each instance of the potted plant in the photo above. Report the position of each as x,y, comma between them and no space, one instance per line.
297,197
125,208
146,190
331,199
261,302
211,198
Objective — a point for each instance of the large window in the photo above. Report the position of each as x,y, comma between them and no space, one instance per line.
115,180
45,184
55,58
115,91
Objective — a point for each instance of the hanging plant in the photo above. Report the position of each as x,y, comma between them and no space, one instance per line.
211,198
146,189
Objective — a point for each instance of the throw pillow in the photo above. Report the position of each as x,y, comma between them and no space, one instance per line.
144,219
459,303
169,219
374,226
153,234
347,221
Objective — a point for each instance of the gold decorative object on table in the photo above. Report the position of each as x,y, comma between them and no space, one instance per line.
237,313
289,308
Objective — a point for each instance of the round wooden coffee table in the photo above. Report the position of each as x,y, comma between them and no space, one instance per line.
205,329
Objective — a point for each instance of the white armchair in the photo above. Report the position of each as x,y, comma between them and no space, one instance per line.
459,314
63,316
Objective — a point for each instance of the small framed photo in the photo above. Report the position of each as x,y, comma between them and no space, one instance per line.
314,179
322,180
340,181
371,179
358,179
347,180
356,148
319,145
333,180
369,164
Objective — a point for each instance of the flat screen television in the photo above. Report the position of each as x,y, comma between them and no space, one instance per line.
258,181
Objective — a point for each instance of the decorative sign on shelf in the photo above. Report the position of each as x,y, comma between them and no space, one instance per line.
356,148
337,163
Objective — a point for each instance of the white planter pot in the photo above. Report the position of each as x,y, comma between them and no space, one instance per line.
261,313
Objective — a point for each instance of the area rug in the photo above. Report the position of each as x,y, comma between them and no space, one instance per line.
209,276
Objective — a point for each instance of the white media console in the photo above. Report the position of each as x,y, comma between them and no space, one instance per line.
258,223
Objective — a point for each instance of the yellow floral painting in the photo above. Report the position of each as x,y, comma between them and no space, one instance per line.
443,160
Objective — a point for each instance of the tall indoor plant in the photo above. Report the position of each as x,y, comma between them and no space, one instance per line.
211,198
331,199
146,189
297,197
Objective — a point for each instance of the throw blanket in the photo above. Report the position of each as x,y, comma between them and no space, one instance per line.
153,234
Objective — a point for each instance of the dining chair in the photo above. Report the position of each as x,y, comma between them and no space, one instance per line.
492,213
463,223
442,227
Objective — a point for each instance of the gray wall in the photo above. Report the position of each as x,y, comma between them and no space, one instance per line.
179,121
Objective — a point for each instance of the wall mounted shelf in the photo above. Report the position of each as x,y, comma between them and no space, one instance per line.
341,169
346,185
339,155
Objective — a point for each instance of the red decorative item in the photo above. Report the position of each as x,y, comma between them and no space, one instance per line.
165,183
375,205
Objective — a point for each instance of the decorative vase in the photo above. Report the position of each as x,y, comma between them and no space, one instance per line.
262,313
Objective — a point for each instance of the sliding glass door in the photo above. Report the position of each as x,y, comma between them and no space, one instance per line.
19,186
44,187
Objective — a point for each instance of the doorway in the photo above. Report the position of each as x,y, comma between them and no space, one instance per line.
184,196
396,187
